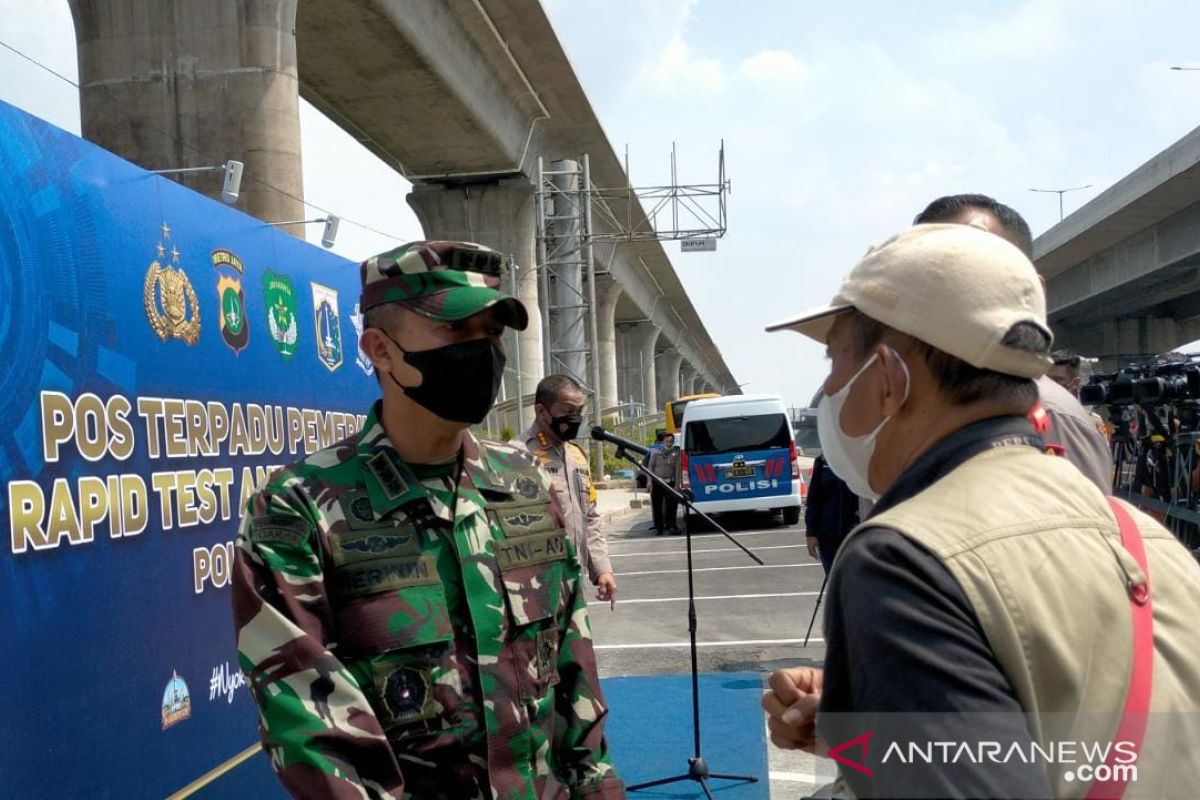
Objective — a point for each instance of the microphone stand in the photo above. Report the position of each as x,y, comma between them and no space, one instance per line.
698,770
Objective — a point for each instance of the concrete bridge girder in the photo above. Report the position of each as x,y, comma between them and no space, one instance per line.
457,77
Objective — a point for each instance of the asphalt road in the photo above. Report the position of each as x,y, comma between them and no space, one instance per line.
749,617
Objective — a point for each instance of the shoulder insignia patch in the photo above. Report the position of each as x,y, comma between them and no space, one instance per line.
278,529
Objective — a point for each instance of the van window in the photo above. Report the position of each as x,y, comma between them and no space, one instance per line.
735,434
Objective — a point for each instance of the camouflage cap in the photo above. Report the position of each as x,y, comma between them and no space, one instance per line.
441,280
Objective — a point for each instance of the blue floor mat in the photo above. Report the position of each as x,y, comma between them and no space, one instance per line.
650,732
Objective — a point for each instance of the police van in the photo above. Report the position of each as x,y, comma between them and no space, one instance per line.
739,454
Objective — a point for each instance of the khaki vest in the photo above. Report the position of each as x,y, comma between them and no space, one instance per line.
1038,554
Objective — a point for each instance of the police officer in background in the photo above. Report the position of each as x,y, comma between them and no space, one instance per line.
410,615
558,414
1066,425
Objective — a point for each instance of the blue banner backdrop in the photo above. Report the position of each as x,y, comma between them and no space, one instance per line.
160,352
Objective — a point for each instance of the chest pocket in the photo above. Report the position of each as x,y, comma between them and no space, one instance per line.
386,593
394,629
530,554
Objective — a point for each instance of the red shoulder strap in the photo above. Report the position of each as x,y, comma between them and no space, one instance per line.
1134,716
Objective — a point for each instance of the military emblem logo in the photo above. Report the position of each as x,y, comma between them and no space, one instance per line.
364,363
172,308
329,326
232,297
177,703
528,487
282,322
406,695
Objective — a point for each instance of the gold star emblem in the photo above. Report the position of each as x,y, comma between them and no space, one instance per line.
166,231
162,251
175,253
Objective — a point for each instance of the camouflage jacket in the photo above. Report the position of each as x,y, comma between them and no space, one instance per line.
393,654
571,477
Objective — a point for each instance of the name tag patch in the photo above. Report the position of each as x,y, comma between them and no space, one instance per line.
385,574
528,550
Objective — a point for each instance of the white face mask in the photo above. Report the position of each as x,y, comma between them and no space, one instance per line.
850,456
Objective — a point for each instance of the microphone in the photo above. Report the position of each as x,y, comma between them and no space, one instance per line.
622,444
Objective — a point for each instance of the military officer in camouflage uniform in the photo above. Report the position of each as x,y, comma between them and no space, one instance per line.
558,410
410,615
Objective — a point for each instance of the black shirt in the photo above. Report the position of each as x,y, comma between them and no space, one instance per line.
904,650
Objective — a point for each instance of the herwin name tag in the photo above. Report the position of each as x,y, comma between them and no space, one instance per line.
386,574
527,550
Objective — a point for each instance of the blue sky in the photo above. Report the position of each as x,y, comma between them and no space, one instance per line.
841,120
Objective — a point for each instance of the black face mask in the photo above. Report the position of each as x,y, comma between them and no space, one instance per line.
459,381
566,427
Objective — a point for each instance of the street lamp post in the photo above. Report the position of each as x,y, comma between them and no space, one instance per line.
1060,193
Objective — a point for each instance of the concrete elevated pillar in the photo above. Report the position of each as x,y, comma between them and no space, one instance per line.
647,333
169,85
607,294
668,375
687,374
499,215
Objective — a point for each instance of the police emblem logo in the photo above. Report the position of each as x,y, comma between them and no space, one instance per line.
282,320
364,363
232,297
528,487
329,326
176,703
171,305
406,693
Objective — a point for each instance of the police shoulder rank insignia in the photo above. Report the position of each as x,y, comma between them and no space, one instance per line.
176,703
329,326
232,297
364,363
280,298
172,308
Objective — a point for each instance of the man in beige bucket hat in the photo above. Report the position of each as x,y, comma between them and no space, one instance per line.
990,578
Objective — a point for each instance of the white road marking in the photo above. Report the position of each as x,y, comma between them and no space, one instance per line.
672,540
621,575
729,643
792,777
697,552
710,597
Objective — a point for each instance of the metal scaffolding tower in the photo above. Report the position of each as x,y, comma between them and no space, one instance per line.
564,198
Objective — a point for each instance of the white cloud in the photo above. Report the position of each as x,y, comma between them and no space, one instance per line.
775,67
679,71
1037,29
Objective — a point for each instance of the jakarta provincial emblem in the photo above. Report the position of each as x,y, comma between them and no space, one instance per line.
172,308
232,297
329,326
280,297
